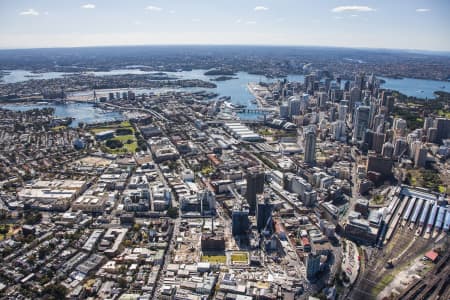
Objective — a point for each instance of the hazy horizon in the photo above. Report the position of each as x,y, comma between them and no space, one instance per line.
416,51
400,25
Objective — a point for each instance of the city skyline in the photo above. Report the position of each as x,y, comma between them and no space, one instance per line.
354,24
224,149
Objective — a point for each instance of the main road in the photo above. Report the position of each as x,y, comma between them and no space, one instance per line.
150,111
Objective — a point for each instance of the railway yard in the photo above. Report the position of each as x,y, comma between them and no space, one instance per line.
436,285
415,222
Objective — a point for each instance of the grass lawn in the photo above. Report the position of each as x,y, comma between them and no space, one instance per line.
124,124
123,138
9,233
58,128
378,199
207,170
265,132
239,257
428,179
218,259
384,282
443,113
100,129
129,147
125,148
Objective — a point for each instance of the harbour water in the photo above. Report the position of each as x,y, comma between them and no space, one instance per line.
81,112
234,88
13,76
416,87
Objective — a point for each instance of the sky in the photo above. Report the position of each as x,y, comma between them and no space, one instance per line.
396,24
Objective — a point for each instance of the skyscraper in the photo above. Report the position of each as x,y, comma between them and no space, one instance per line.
427,123
400,147
360,81
443,129
240,222
338,130
207,201
255,185
378,123
310,145
294,106
361,122
399,126
368,139
264,213
420,157
323,98
284,111
390,101
332,113
355,96
342,110
388,150
378,141
431,134
312,265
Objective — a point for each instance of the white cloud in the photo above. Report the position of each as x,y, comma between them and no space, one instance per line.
260,8
88,6
421,10
171,11
250,22
153,8
238,21
352,8
29,12
195,20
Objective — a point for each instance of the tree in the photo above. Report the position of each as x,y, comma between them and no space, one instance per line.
27,176
172,212
124,131
33,218
32,259
113,144
43,252
122,282
136,227
142,144
55,291
4,229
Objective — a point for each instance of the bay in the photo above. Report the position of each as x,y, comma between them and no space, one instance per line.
234,88
419,88
81,112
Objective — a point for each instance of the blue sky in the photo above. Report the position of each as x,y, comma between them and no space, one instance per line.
403,24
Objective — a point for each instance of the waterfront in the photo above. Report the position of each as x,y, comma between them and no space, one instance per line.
235,88
81,112
418,88
13,76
